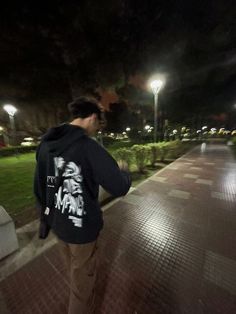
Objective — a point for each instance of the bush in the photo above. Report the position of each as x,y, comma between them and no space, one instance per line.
176,149
121,144
10,151
164,148
141,155
124,154
107,140
154,152
233,139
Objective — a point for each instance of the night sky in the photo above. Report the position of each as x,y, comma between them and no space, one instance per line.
50,53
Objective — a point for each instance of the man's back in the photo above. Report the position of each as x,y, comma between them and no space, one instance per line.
77,215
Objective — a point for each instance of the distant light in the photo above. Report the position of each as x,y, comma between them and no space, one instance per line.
124,133
28,139
147,127
128,129
204,127
175,131
1,128
99,132
199,131
156,85
11,110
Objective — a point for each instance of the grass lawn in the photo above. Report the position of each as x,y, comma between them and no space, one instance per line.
16,182
16,177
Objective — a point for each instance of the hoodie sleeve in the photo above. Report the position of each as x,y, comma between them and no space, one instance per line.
106,171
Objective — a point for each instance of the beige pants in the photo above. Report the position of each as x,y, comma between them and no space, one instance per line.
81,262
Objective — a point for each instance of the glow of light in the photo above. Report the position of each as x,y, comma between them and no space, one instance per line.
156,85
11,110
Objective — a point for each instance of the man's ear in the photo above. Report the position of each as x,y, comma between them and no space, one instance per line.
93,116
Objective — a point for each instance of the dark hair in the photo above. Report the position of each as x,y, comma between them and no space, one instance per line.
83,107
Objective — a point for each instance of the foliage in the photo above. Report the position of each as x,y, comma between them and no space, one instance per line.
175,149
233,139
16,150
164,150
108,141
124,154
141,155
154,152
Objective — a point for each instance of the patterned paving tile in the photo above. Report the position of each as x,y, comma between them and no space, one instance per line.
231,164
191,176
188,159
203,181
179,194
133,199
224,196
158,179
172,167
163,249
221,271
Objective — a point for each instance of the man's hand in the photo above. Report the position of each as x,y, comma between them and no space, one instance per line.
123,165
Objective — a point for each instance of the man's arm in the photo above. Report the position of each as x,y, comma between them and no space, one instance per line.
107,173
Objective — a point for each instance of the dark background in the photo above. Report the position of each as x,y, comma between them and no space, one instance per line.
52,52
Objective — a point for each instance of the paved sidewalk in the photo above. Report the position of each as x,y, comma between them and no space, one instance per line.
167,247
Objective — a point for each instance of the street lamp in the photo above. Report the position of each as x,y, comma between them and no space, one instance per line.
11,110
156,86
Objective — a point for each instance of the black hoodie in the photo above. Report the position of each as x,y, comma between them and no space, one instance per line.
77,215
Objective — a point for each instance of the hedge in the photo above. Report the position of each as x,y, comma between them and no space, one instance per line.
13,150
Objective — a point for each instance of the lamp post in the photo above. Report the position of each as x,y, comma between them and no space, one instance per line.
156,86
11,110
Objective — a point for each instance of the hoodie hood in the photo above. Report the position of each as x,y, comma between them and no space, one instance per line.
59,138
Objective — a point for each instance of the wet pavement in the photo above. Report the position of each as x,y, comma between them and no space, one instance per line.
167,247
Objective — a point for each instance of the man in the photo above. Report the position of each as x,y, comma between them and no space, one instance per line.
72,209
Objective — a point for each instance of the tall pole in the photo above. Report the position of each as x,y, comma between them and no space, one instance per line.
156,86
12,123
155,116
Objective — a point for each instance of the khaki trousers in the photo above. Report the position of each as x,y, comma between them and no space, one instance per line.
81,262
